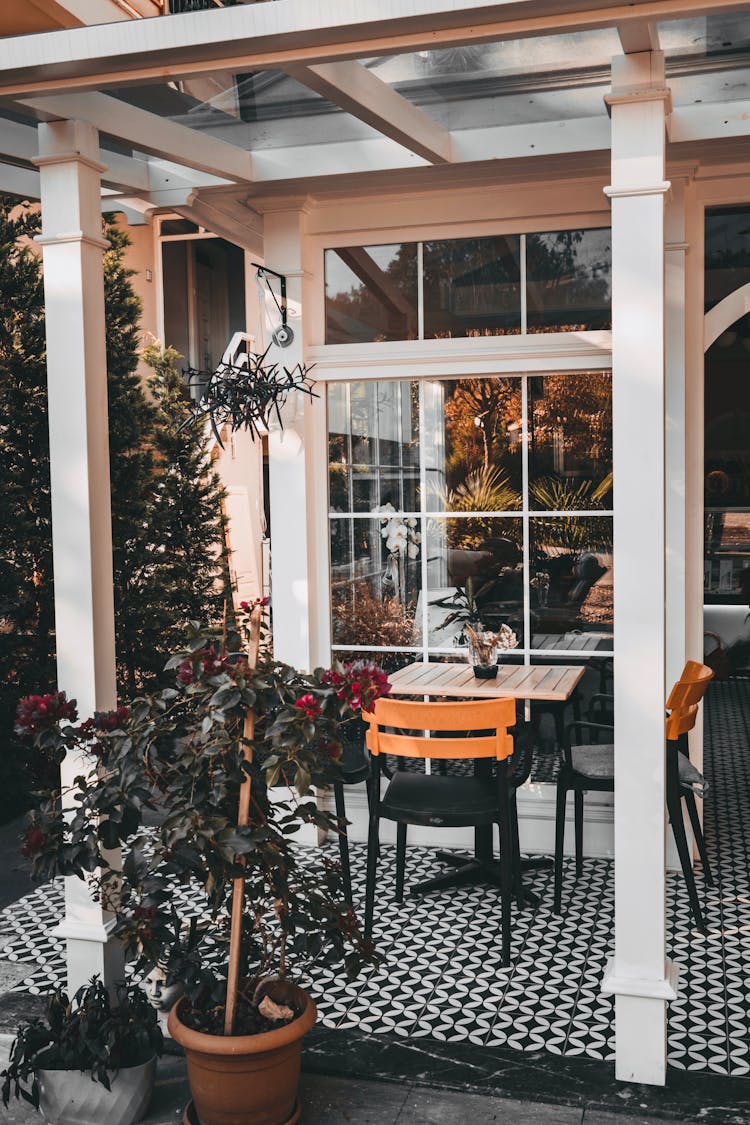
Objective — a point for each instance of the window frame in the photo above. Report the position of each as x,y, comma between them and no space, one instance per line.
525,513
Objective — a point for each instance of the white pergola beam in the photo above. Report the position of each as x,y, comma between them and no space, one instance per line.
150,133
19,181
22,143
638,35
354,88
231,219
300,33
710,121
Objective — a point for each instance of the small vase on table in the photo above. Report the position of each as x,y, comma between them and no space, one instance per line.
485,648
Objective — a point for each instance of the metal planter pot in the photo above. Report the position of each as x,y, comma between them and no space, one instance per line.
71,1097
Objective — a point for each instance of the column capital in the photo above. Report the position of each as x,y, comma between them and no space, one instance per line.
639,97
659,188
44,161
72,236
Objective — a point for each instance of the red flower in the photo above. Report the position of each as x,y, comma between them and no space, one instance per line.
40,712
334,750
185,674
34,841
359,684
111,720
310,705
248,607
205,662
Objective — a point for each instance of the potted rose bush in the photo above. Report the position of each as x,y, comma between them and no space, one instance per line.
197,762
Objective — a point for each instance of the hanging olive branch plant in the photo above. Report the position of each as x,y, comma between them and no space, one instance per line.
247,395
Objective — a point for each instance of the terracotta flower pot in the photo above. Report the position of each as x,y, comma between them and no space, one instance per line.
245,1079
71,1097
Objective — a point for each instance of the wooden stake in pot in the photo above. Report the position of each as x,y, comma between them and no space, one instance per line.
238,887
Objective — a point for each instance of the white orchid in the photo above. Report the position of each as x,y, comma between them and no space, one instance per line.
399,533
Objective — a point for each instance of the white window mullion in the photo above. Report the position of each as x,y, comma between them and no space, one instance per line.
423,520
420,291
522,265
525,517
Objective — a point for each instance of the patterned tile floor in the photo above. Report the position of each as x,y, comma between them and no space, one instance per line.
443,979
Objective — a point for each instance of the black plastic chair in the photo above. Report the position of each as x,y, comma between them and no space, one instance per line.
353,768
434,799
588,765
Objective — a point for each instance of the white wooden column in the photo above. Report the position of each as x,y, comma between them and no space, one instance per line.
72,247
297,468
676,248
638,975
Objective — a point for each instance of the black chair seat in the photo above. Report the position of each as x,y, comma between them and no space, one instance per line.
414,798
598,763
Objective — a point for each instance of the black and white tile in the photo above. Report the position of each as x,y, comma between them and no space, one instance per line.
442,979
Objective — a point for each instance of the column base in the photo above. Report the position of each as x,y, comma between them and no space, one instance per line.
641,1023
91,950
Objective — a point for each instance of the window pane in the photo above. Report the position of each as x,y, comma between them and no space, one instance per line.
472,287
371,293
474,573
726,575
376,581
373,439
570,442
569,281
727,250
571,582
473,446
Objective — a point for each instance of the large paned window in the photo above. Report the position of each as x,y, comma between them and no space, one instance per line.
487,497
558,281
727,416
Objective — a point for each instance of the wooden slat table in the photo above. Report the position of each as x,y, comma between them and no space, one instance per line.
541,683
549,683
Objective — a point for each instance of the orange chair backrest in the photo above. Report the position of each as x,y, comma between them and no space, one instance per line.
391,717
684,698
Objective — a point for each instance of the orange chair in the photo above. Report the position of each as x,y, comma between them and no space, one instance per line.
405,729
591,766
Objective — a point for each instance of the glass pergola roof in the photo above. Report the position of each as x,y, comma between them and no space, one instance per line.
332,113
513,82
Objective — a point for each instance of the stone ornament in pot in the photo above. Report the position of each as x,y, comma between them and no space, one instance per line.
89,1061
201,757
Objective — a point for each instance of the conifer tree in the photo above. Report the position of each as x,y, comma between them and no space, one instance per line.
189,577
26,604
167,524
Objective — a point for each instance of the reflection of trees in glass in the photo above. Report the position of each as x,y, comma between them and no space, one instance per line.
472,287
482,425
338,487
566,282
486,490
570,428
727,250
381,304
574,533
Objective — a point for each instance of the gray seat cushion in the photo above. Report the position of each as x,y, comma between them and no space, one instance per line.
598,763
690,777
